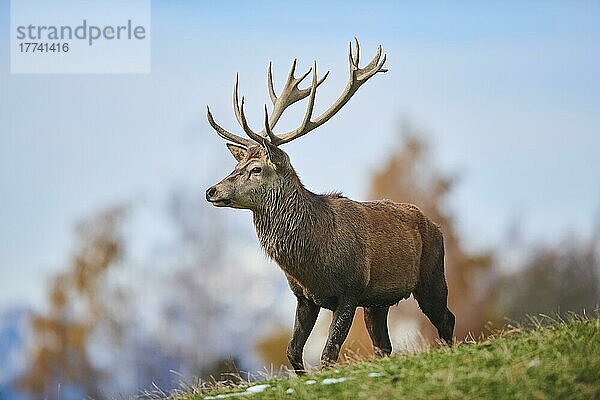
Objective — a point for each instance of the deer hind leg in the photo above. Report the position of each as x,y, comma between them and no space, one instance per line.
376,322
432,295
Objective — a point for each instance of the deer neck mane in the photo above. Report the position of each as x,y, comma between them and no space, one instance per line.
293,222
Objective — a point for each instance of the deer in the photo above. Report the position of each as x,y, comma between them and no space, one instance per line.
336,253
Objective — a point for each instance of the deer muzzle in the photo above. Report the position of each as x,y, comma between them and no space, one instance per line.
213,197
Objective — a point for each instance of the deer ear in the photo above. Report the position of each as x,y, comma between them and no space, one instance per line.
276,155
239,152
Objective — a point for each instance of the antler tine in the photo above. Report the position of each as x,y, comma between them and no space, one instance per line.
351,58
270,83
292,70
323,78
356,56
301,77
375,59
224,133
380,66
311,99
251,134
236,105
272,137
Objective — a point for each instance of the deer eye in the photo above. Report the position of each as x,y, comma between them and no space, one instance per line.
255,170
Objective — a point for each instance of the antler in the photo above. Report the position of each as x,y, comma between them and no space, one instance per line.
291,93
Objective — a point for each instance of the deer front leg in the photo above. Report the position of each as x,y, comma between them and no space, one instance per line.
338,331
306,316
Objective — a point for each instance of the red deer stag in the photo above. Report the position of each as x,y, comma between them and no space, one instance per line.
336,253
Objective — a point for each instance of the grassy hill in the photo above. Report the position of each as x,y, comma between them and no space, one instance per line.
556,361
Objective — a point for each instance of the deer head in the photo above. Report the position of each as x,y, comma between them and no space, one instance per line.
262,166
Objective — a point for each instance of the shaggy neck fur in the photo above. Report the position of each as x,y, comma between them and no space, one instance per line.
290,222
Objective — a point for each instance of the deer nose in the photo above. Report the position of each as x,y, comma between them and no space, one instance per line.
210,192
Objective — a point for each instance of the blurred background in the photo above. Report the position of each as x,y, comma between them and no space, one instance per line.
116,276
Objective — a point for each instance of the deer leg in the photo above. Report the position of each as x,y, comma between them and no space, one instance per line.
376,322
432,296
338,331
437,311
306,316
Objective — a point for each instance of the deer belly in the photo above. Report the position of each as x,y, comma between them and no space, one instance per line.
383,299
388,286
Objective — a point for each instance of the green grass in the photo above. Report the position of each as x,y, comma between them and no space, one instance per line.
560,360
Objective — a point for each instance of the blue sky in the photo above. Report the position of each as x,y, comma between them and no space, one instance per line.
508,94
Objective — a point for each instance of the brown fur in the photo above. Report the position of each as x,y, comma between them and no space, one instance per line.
338,253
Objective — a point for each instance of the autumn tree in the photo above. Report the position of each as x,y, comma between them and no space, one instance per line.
60,365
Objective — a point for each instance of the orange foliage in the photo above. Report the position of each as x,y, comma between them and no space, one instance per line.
272,348
61,336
